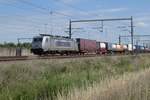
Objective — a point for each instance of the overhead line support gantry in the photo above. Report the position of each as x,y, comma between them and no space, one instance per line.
103,20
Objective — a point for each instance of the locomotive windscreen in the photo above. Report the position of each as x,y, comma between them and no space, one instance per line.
37,40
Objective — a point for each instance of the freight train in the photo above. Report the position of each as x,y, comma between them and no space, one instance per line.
48,44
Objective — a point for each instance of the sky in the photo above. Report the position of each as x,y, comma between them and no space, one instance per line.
28,18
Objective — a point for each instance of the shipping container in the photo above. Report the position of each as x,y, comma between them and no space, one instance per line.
111,46
86,45
134,47
130,47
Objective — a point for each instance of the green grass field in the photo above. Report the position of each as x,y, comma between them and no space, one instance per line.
49,80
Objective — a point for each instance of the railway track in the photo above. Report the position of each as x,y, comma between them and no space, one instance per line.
23,58
12,58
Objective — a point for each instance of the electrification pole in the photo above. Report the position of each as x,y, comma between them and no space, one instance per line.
132,30
119,39
70,29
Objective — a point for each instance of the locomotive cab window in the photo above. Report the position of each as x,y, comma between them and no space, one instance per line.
46,39
37,39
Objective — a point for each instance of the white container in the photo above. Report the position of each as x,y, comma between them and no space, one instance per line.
102,45
114,46
142,48
134,47
125,47
130,47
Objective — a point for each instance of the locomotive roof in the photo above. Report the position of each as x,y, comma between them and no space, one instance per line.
54,36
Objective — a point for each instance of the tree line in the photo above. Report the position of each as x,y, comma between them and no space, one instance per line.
26,45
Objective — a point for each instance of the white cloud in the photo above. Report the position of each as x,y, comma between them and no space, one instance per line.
143,18
142,21
114,10
8,1
92,14
69,1
141,24
59,23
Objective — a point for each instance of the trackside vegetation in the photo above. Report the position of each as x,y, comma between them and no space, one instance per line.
13,45
50,79
130,86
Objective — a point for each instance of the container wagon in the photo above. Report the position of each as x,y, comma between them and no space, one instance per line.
101,47
114,48
111,47
119,48
130,48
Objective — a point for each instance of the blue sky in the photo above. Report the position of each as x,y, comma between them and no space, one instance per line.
27,18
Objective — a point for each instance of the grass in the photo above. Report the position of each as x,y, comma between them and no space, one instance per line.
45,80
131,86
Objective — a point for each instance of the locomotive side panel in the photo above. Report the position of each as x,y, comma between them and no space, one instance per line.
63,45
53,45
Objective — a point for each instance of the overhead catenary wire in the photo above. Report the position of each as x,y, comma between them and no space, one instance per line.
21,20
21,16
44,8
20,25
76,8
10,3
